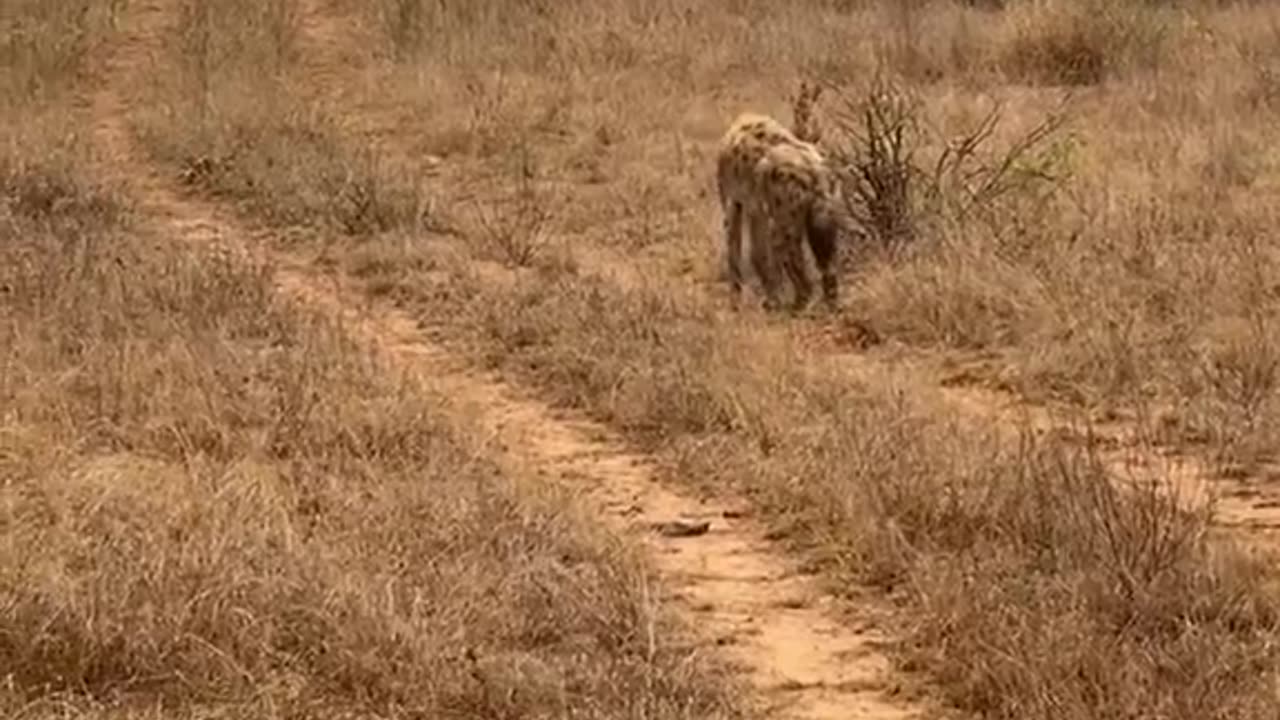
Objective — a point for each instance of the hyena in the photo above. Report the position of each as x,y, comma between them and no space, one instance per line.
782,187
798,193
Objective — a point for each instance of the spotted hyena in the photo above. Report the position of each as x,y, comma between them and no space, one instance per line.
782,188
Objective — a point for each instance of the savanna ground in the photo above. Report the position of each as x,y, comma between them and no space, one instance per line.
218,503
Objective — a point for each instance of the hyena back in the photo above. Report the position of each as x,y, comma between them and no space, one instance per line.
782,188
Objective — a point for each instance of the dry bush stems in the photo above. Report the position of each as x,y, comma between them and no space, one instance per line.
897,195
516,230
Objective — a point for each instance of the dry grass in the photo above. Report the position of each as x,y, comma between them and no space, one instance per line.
215,503
228,121
1082,43
43,46
1141,283
1030,587
212,504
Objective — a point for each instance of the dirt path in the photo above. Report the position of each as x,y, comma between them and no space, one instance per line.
1129,445
747,597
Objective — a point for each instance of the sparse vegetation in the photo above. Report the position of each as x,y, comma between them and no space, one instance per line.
216,503
43,45
1074,42
898,195
224,504
213,503
227,121
998,553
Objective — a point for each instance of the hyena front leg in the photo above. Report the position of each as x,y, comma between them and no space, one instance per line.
733,248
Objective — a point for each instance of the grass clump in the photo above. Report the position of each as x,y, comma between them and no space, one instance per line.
1081,43
291,171
43,45
228,122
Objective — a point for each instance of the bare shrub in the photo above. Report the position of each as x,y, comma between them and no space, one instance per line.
516,229
896,194
880,137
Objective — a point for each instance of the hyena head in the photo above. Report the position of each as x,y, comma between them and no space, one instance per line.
743,145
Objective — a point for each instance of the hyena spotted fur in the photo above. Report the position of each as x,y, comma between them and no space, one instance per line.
782,188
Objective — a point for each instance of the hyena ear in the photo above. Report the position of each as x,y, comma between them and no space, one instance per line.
804,121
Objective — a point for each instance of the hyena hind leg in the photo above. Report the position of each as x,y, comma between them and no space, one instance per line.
763,259
824,243
793,261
